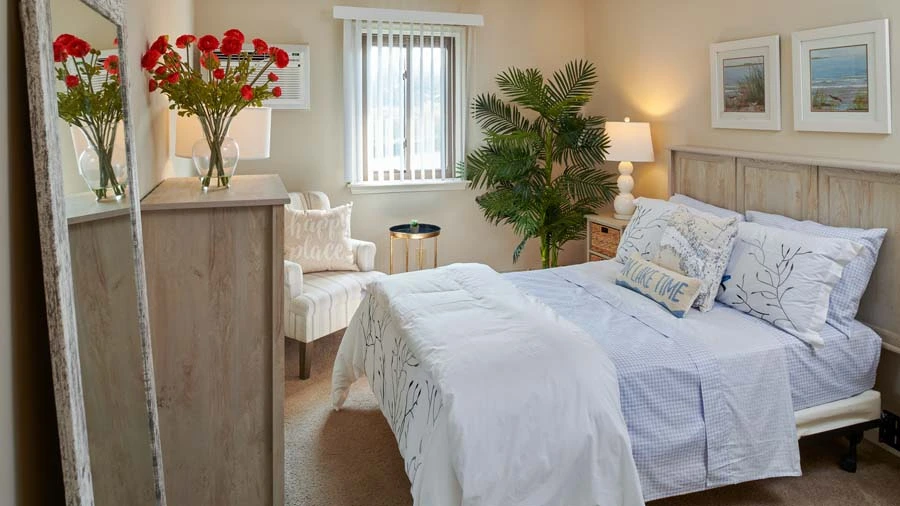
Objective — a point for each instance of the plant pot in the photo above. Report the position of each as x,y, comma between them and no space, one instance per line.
216,162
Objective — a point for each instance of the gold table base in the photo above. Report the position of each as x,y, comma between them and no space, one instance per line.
420,250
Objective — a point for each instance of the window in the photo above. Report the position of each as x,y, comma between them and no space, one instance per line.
405,104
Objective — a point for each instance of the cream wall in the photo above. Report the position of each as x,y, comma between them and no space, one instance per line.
307,146
653,56
147,20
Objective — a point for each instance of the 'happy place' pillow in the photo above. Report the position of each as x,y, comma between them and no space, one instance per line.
785,277
319,240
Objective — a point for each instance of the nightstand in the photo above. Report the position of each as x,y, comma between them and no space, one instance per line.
603,234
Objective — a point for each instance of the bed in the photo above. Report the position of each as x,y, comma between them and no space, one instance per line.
701,411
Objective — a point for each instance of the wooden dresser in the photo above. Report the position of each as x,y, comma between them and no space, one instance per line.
603,234
214,279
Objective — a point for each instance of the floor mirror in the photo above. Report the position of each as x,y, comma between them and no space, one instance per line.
89,212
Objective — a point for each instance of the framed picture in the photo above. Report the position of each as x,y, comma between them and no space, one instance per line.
746,84
842,78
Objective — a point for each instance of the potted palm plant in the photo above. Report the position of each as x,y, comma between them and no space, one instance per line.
540,169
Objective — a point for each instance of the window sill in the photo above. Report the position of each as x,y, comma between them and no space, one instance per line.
408,186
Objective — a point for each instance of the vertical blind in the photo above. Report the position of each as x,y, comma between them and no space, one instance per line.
404,97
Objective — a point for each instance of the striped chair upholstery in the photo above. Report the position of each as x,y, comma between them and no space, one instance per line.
317,304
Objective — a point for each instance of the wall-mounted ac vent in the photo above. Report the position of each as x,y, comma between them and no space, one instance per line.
98,79
293,79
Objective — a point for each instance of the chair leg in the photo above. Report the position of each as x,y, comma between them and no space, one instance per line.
305,359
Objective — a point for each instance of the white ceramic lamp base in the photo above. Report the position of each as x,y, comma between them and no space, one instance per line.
624,202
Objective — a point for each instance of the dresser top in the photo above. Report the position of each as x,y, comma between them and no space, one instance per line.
607,218
245,191
83,207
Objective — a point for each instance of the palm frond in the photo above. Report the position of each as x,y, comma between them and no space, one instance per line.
524,87
576,80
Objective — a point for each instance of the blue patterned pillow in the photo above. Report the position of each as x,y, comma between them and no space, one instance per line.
671,290
846,295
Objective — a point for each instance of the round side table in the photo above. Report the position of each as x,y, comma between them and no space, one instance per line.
421,232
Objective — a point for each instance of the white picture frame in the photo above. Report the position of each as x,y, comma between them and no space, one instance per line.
843,97
733,103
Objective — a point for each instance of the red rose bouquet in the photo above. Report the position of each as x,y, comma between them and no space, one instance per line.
215,91
94,107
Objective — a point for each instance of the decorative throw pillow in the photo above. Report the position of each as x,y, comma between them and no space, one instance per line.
319,240
699,205
643,232
698,246
669,289
785,277
849,291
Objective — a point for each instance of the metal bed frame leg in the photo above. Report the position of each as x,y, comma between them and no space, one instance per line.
848,461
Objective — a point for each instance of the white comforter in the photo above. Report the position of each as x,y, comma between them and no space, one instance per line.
517,431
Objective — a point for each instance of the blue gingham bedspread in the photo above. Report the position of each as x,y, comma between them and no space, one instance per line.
702,410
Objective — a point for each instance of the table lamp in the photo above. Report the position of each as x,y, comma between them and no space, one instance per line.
250,129
629,142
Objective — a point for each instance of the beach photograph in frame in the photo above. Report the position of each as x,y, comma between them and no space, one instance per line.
745,84
842,78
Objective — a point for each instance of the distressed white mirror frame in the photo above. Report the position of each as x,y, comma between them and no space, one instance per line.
54,233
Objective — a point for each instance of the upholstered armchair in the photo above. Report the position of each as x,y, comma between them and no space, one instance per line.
317,304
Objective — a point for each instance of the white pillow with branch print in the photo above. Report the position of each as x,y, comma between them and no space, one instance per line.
645,229
785,277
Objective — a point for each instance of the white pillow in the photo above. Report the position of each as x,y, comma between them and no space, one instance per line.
785,277
319,240
847,294
699,205
698,246
645,229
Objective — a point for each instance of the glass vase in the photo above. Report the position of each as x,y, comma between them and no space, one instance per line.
216,161
104,171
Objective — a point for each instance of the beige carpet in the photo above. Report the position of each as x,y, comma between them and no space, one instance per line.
350,458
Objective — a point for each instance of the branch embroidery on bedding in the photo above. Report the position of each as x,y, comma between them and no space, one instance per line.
402,400
775,278
634,239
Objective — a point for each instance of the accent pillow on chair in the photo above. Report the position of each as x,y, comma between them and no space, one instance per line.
319,240
698,246
785,277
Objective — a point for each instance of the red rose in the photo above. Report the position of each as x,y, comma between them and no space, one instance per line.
174,77
234,32
78,48
219,74
111,64
208,43
231,46
161,71
273,76
160,44
59,52
260,46
72,81
65,39
153,85
209,61
184,40
148,61
247,92
276,91
281,58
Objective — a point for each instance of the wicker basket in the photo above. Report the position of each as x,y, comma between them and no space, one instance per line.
604,240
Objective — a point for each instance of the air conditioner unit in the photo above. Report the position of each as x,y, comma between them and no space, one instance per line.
98,79
293,79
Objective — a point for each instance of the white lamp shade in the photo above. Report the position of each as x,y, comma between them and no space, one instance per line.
251,129
629,142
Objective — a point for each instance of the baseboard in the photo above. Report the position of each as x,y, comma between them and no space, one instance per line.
872,437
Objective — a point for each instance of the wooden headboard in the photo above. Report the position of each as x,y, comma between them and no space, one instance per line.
842,193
